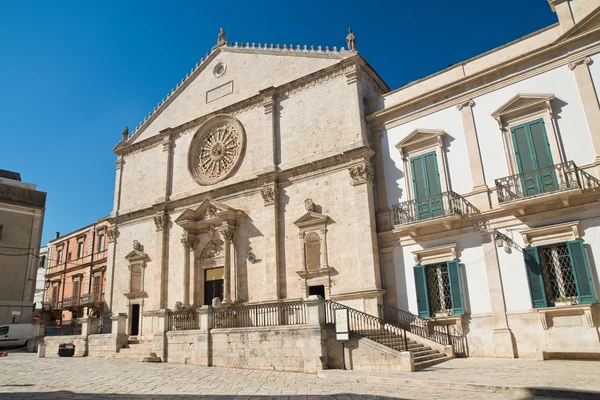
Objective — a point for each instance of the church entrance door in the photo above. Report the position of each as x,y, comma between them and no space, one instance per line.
213,284
135,319
319,290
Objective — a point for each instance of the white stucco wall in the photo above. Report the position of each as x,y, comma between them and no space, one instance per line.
595,71
569,115
448,120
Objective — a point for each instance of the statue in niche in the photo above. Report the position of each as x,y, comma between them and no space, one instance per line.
351,40
137,246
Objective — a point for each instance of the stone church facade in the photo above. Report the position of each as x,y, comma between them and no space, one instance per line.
468,199
251,182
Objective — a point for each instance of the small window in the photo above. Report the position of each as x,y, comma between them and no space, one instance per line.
559,274
58,256
3,330
100,243
97,284
79,249
42,261
69,256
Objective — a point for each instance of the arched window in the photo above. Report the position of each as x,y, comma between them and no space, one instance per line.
312,247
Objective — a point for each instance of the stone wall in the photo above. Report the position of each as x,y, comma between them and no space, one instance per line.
52,343
361,354
103,345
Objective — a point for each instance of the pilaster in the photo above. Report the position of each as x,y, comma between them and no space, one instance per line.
227,232
503,339
167,147
383,213
161,221
270,109
270,196
589,100
356,106
481,199
188,240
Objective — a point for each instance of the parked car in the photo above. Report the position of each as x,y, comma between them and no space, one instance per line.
16,335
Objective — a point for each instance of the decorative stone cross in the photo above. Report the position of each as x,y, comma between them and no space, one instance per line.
351,40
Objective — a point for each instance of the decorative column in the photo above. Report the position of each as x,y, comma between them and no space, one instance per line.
589,100
301,236
167,147
367,262
188,241
271,233
384,222
161,220
481,199
227,231
502,335
324,261
356,104
117,200
270,107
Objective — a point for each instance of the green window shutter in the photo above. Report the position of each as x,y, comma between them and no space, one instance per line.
418,172
433,174
543,156
523,151
421,289
581,270
534,277
458,304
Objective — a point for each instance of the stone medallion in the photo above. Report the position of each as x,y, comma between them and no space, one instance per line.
216,149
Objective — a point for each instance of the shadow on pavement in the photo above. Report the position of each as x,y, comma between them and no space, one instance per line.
540,392
98,396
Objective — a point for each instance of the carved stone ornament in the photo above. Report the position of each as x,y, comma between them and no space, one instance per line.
216,149
111,233
212,249
268,195
137,246
351,40
309,205
161,220
360,173
227,233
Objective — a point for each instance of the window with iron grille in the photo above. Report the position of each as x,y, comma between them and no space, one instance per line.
439,289
559,274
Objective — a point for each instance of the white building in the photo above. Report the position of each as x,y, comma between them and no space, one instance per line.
40,281
488,191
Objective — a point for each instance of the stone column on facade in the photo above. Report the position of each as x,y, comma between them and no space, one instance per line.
167,147
367,260
481,198
227,231
389,277
504,345
270,110
356,104
384,215
119,177
188,244
161,221
301,236
589,99
111,234
323,249
271,232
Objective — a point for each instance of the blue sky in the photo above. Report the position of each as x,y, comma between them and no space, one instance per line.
73,74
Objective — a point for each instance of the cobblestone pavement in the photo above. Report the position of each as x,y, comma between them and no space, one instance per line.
24,376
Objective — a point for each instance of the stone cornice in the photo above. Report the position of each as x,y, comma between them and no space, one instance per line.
455,93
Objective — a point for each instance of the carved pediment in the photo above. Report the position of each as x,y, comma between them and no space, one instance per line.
136,256
420,138
523,102
311,218
209,212
588,24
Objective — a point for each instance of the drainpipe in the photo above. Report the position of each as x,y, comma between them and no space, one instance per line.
64,281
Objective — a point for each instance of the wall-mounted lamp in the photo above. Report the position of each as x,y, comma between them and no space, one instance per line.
251,257
501,239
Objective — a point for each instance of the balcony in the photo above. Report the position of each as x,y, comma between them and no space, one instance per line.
561,180
89,299
441,208
51,305
71,302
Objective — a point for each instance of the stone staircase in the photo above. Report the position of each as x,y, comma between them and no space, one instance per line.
137,350
425,342
424,355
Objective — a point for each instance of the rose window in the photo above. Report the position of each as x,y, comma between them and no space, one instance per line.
216,150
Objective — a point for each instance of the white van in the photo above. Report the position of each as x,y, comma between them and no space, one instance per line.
15,335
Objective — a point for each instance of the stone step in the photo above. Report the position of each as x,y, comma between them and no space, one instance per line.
426,364
426,357
427,351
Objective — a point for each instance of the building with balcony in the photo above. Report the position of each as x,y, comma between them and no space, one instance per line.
488,191
467,199
22,210
75,275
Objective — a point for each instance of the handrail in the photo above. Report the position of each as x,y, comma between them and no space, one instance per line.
432,207
555,178
369,326
253,315
425,328
183,320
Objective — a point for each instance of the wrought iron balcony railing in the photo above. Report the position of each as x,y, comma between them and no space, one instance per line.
438,206
69,302
556,178
92,298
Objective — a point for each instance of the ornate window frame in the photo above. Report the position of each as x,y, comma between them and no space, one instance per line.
419,142
551,234
137,263
524,108
435,255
